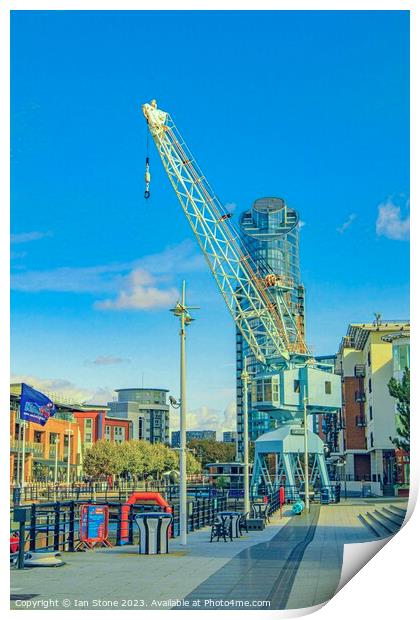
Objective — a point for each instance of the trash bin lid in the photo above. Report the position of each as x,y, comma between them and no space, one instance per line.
152,515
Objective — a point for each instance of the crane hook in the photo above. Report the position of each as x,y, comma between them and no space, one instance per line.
147,179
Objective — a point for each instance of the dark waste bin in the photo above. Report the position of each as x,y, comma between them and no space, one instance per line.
16,496
325,495
154,532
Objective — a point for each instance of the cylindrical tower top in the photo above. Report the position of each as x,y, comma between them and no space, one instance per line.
269,219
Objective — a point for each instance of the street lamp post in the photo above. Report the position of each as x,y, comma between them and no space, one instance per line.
68,455
23,455
56,467
181,310
245,379
305,443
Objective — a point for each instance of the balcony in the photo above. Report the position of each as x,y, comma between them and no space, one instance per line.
51,451
360,370
360,421
37,449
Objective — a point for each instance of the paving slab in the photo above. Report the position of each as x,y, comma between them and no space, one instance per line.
120,578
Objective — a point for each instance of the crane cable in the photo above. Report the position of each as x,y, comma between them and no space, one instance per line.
147,172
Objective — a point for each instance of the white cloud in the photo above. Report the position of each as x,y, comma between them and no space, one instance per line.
390,223
206,418
17,255
301,224
29,236
230,207
134,284
66,389
347,223
99,279
140,293
108,360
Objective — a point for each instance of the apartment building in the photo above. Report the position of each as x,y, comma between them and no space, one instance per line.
368,420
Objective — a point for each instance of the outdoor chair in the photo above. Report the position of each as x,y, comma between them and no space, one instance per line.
221,528
266,515
243,523
260,511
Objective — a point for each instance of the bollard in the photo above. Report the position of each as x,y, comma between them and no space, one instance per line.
32,529
21,515
16,495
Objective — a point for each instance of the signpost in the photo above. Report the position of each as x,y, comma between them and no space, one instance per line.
93,526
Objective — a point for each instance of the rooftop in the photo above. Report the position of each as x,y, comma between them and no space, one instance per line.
142,389
358,333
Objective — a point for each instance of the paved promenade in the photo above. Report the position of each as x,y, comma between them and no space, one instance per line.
295,562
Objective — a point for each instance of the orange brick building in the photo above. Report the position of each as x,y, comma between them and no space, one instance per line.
73,427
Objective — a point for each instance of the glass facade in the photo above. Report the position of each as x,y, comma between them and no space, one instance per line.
148,410
401,356
270,231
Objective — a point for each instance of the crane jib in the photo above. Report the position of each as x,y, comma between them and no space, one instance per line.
234,270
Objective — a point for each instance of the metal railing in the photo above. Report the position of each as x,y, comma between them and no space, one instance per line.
54,526
294,492
30,446
49,492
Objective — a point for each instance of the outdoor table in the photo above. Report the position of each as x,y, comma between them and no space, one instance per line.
259,509
234,521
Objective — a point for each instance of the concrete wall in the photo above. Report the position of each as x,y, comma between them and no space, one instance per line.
383,405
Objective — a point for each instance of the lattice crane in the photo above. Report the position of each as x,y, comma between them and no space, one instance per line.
269,328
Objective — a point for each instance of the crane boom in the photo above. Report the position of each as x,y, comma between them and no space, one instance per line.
270,331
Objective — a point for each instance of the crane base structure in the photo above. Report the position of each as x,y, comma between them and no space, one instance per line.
277,462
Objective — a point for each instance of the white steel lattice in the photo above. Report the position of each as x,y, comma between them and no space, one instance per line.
270,334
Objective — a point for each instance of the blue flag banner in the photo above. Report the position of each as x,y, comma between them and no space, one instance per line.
35,406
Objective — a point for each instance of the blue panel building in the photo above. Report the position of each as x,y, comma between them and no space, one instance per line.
270,230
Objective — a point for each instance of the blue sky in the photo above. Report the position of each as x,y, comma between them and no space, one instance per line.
309,106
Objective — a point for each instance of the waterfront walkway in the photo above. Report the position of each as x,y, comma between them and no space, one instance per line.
295,562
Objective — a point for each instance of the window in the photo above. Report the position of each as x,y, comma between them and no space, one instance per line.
401,357
368,358
371,440
259,391
140,428
275,386
253,392
267,389
37,436
328,387
370,385
296,386
370,412
118,434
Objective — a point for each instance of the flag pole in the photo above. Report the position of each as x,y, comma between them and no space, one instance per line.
23,456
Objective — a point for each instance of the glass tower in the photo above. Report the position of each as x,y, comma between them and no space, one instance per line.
270,231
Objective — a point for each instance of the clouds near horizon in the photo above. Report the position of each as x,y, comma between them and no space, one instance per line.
35,235
390,223
141,284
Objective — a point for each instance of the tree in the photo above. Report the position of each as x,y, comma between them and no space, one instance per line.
400,390
134,457
193,465
102,459
210,451
222,482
